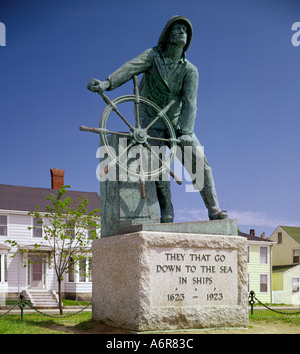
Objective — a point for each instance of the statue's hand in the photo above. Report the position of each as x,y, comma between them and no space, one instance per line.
96,85
186,140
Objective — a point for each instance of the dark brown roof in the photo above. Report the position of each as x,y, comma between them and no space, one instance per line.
253,238
28,198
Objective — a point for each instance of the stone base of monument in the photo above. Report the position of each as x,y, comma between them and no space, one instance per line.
151,280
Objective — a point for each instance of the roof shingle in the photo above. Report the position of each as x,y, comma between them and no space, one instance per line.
28,198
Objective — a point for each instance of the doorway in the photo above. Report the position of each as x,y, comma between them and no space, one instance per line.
36,272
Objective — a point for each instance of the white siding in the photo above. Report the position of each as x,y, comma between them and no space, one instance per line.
17,274
18,228
83,287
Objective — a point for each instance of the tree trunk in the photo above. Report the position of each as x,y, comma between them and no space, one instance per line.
59,297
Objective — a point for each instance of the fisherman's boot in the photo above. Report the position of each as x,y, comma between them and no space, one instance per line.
209,195
211,202
163,191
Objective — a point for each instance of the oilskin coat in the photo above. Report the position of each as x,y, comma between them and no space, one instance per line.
162,82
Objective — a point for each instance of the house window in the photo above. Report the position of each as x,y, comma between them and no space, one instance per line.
37,227
71,271
249,254
279,237
3,225
296,256
92,232
295,285
263,283
70,229
3,268
263,255
90,269
82,270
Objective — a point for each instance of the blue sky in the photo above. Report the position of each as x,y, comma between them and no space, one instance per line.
248,99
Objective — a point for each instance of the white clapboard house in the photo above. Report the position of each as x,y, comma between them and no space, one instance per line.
18,274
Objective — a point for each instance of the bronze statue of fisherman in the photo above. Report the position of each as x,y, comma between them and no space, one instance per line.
168,75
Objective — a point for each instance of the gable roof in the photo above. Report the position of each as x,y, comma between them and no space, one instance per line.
254,238
294,232
28,198
283,268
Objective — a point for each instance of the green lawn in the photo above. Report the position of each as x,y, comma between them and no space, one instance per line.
270,316
40,324
34,323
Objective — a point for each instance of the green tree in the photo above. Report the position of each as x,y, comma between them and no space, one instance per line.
69,232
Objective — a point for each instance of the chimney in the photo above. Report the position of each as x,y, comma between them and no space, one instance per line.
57,178
252,232
263,235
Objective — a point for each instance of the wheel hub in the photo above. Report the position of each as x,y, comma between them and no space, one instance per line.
140,135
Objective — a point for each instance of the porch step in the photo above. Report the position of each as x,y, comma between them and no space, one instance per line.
42,299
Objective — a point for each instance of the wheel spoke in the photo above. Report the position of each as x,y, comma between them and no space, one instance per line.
142,174
101,130
115,160
163,139
108,101
172,174
136,102
124,119
160,114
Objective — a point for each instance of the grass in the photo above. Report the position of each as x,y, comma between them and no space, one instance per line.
75,303
34,323
40,324
273,317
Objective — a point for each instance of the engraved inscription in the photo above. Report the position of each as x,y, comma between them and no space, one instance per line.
193,277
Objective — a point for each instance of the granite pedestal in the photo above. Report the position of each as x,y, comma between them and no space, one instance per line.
158,280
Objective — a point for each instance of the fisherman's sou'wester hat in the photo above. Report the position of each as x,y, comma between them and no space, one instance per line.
165,32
